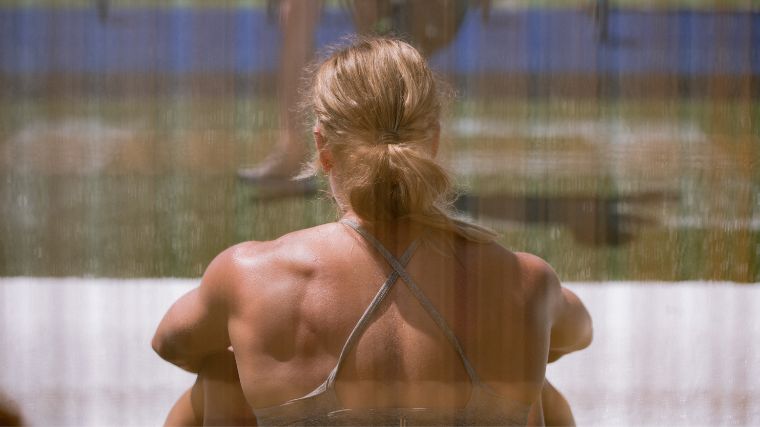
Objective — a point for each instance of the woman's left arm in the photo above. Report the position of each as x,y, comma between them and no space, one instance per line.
196,325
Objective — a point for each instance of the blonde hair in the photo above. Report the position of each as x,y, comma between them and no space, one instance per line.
377,105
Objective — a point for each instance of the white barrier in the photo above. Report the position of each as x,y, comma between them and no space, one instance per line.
77,352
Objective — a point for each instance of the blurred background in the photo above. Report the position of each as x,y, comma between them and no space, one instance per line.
617,145
619,140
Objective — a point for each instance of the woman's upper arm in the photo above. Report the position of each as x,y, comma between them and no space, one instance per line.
196,324
566,315
571,322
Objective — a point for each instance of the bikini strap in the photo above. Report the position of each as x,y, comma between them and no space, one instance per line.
366,317
400,271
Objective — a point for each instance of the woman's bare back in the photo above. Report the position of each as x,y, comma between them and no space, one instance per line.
298,298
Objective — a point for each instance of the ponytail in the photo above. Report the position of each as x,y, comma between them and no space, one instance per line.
392,181
377,105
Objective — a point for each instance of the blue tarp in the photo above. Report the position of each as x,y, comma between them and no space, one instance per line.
187,40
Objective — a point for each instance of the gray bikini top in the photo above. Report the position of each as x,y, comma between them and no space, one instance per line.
322,406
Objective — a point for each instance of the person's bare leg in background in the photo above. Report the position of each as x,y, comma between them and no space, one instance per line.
298,20
430,26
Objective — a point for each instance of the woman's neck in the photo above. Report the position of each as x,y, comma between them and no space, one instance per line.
388,231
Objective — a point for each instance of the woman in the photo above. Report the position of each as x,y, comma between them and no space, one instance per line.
397,313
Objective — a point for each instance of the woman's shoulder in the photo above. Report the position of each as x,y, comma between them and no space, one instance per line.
538,277
534,265
495,253
293,253
533,274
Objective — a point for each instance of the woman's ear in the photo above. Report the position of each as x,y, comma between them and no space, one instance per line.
323,151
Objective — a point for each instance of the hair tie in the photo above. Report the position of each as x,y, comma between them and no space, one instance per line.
389,137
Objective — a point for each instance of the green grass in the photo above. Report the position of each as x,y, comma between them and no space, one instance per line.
167,200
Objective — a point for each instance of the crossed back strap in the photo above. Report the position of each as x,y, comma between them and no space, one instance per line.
398,272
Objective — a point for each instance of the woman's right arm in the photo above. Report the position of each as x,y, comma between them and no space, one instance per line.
571,327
